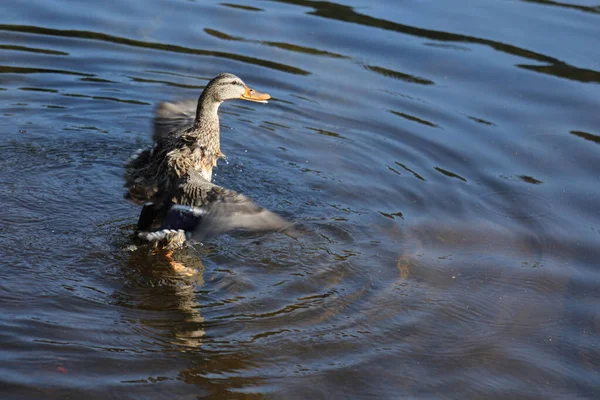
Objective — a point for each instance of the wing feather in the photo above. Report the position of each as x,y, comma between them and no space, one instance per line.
203,209
169,117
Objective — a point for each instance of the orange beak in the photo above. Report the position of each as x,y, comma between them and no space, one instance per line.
253,95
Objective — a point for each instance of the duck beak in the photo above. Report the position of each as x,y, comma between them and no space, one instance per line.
254,95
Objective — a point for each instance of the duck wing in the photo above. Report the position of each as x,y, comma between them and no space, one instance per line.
169,117
171,120
202,209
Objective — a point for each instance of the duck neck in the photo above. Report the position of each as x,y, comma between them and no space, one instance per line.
206,125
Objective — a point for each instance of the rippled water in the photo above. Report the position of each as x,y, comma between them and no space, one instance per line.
443,159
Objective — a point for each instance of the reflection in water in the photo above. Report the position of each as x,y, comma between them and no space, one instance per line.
242,7
413,118
516,204
590,9
563,71
32,89
168,83
166,290
347,14
450,174
530,179
326,133
285,46
409,170
399,75
97,80
447,199
4,69
219,375
157,46
481,121
33,50
128,101
586,136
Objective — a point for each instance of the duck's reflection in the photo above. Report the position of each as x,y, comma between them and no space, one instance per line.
163,292
166,282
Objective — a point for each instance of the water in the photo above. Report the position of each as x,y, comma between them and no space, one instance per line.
444,161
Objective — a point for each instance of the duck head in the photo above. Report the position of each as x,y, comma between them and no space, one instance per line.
227,86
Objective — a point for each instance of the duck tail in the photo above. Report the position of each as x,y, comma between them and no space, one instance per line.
165,238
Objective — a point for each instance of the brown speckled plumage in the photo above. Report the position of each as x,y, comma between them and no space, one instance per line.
195,147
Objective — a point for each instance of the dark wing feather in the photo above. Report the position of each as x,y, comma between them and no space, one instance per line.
237,213
169,117
182,217
204,209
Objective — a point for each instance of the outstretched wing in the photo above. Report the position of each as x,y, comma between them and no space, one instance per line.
203,209
237,212
169,117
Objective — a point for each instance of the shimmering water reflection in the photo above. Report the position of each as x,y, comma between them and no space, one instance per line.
441,164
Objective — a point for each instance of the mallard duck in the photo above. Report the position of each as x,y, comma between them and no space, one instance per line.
173,177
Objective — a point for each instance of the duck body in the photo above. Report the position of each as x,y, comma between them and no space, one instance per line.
173,155
173,177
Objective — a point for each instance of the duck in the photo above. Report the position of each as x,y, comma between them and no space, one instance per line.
172,178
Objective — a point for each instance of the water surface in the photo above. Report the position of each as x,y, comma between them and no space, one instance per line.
444,161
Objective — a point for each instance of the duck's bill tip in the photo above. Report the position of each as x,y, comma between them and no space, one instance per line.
254,95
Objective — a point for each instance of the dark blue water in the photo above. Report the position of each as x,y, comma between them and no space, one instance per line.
444,159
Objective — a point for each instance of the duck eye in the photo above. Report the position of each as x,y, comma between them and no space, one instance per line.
235,83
